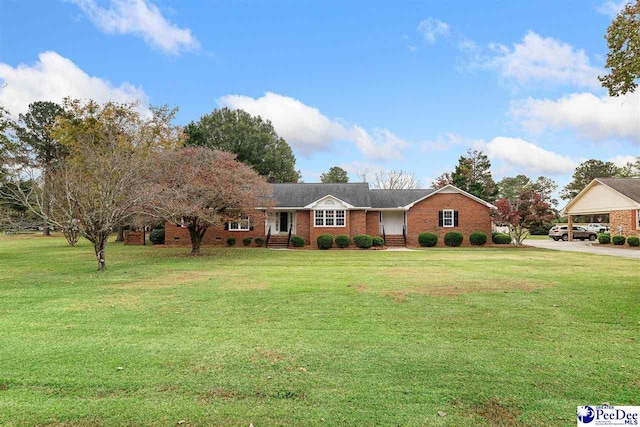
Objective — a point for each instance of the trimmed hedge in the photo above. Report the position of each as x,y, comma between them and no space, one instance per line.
377,241
343,241
246,241
478,238
297,241
259,241
156,237
604,238
325,241
231,241
453,239
502,239
363,241
618,240
633,241
427,240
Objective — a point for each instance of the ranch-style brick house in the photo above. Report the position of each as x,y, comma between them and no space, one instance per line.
309,210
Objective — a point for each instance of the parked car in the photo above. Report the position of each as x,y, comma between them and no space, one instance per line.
562,232
598,228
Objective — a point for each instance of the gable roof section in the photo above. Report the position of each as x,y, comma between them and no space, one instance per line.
303,194
449,188
629,187
624,194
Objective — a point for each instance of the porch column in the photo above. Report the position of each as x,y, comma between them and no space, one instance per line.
570,228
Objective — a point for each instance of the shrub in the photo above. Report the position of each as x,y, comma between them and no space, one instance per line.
633,241
231,241
157,236
618,240
502,239
259,241
604,238
478,238
453,239
540,229
325,241
493,236
427,240
363,241
343,241
297,241
246,241
377,241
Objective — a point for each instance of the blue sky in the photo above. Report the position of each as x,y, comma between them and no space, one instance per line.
363,85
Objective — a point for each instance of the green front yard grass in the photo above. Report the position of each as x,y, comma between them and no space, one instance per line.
495,336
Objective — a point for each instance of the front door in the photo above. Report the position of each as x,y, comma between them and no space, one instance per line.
392,221
284,222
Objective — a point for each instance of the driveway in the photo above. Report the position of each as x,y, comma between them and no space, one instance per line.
586,247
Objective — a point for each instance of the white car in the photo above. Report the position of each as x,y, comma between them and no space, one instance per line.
598,228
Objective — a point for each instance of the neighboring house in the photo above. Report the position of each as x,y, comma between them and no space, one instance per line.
617,197
309,210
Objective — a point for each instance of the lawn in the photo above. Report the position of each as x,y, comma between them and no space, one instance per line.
495,336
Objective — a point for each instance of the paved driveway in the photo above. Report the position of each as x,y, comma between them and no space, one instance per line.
586,247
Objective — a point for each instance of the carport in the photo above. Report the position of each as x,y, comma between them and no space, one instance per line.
616,197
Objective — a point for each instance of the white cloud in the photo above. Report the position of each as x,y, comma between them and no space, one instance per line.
431,28
444,142
612,8
308,130
525,156
536,59
597,118
622,160
141,18
54,77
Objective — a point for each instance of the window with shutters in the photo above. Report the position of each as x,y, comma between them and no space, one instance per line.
447,218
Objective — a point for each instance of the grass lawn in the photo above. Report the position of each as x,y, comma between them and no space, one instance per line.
495,336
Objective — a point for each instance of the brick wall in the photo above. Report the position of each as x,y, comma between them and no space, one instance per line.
373,223
423,217
334,231
133,237
357,223
215,236
625,219
302,225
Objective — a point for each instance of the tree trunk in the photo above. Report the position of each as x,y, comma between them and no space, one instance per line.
47,208
197,234
120,237
99,246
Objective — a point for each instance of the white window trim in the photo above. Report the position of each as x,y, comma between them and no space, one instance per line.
637,219
324,217
239,225
444,218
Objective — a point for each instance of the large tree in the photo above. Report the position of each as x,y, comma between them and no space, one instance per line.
510,188
396,180
623,58
203,188
442,181
585,173
335,174
34,133
473,175
526,210
253,140
100,183
631,169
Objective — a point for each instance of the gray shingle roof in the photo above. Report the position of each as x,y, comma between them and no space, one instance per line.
396,198
356,194
630,187
298,195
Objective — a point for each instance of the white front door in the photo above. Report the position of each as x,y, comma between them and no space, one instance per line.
280,222
392,221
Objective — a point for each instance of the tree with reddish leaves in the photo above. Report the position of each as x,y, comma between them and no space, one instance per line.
527,209
201,188
442,181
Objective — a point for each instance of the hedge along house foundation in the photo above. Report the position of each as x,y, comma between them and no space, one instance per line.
308,210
